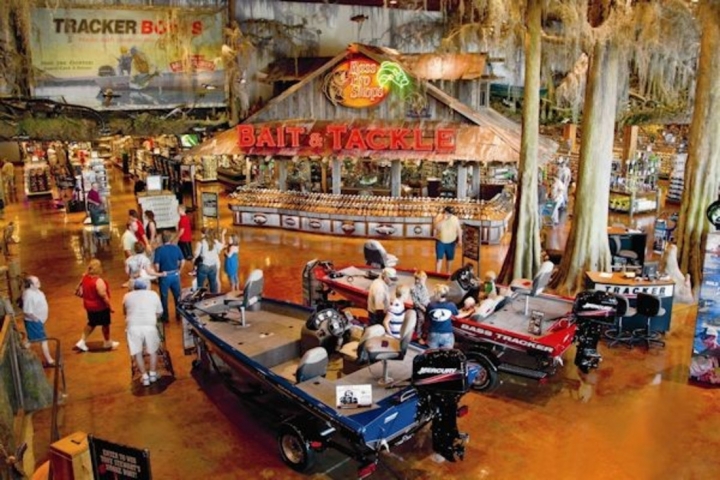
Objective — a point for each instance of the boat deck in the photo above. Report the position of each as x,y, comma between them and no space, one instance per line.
272,339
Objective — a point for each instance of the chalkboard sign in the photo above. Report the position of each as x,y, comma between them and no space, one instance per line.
210,204
471,242
112,461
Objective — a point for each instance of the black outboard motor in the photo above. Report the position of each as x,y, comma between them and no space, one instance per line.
441,378
593,309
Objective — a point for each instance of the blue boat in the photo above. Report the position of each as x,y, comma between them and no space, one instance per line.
285,349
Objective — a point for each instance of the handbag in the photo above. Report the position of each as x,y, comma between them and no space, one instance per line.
79,290
199,259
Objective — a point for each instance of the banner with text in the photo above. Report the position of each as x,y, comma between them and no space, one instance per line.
116,59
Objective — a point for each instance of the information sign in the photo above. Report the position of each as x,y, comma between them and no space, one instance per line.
112,461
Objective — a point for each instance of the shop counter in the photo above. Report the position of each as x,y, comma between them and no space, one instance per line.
629,287
359,217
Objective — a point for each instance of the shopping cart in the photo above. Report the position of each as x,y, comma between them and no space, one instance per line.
163,361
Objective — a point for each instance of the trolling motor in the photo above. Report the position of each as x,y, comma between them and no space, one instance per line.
441,378
593,310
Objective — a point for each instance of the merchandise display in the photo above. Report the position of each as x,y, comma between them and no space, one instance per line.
37,179
164,205
354,215
677,179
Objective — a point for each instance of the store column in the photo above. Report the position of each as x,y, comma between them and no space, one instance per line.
336,172
395,180
282,175
462,179
475,190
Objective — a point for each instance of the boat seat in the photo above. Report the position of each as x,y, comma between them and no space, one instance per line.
387,347
355,351
621,257
313,364
376,256
541,280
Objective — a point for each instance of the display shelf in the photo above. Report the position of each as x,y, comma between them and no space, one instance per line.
624,201
352,215
677,179
37,179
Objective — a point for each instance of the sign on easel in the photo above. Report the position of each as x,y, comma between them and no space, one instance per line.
210,205
113,461
471,242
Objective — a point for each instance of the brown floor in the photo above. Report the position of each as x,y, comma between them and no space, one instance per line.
634,418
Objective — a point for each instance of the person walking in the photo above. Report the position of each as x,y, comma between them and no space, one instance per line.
421,299
129,238
169,261
232,261
207,259
95,293
139,227
151,232
142,308
440,313
448,234
184,233
35,314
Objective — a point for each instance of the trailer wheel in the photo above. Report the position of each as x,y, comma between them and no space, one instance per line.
487,377
294,448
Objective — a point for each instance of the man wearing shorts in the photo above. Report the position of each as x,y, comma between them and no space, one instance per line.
448,234
142,309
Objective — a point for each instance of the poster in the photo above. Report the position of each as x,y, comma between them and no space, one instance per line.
116,59
705,361
210,205
112,461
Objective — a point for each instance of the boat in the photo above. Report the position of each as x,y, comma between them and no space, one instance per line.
284,349
203,80
524,332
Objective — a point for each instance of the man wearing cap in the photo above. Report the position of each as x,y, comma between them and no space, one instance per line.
379,295
142,308
448,233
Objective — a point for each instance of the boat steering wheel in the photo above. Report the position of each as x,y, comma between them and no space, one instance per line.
336,324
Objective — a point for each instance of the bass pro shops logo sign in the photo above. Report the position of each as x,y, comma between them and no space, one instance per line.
362,82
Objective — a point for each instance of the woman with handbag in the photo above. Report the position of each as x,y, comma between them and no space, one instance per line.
95,293
207,260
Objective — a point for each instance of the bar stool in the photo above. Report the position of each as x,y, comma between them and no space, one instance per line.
617,335
650,307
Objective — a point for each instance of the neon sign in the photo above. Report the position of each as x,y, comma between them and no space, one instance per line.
361,82
339,138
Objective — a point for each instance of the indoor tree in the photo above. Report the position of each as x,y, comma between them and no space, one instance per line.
702,171
524,254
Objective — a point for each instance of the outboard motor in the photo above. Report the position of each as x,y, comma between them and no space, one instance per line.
441,378
593,309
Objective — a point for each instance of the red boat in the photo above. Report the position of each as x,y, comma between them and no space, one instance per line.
526,333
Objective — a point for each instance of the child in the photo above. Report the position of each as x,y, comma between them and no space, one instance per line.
232,263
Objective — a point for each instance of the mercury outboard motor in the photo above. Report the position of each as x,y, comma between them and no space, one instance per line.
593,309
441,377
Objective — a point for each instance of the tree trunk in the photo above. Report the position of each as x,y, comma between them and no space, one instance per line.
702,172
523,256
587,246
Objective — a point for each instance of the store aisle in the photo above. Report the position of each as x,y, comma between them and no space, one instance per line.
635,418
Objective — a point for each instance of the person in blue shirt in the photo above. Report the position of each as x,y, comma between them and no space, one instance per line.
440,313
169,261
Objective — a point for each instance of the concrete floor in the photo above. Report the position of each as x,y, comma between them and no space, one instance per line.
634,418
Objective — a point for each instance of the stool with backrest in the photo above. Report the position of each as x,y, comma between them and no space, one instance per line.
616,334
620,256
313,364
376,256
649,306
387,347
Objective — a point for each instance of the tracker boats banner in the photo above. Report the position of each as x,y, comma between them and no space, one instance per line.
116,59
705,362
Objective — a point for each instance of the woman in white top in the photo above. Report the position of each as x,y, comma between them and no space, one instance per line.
207,259
139,265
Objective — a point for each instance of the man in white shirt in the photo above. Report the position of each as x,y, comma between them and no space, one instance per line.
142,309
128,239
35,313
379,295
